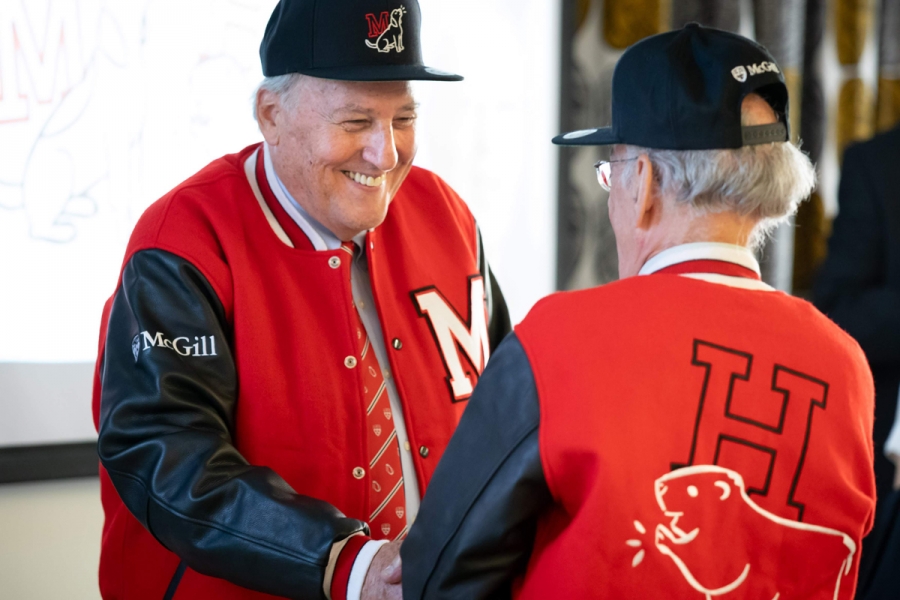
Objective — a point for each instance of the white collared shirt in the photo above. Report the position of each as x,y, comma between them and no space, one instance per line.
730,253
361,285
892,445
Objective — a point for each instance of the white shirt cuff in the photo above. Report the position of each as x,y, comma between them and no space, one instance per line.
361,567
332,563
892,445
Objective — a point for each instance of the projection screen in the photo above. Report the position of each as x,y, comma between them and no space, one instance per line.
105,105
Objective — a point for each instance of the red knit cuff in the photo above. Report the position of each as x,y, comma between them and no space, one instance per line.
344,566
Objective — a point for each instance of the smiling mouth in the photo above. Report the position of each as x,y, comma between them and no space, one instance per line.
363,179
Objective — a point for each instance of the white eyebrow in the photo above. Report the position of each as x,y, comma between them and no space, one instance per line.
357,108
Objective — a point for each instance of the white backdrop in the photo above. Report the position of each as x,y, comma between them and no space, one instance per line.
105,105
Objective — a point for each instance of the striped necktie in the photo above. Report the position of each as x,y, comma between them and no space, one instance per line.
387,499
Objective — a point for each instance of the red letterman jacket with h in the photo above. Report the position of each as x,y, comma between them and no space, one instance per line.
657,437
231,426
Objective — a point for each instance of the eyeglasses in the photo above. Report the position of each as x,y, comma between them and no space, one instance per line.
604,171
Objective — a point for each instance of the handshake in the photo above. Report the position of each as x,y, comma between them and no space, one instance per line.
383,579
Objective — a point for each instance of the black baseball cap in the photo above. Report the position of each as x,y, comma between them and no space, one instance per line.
356,40
682,90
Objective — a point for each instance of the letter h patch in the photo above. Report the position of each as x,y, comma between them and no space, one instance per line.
769,451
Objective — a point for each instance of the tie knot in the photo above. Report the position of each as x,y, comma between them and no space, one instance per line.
350,247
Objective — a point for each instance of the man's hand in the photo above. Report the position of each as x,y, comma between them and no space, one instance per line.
383,578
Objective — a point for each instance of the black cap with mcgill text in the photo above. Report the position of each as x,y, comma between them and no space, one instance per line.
355,40
682,90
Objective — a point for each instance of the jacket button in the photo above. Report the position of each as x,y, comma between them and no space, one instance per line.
397,344
334,262
359,473
350,362
423,451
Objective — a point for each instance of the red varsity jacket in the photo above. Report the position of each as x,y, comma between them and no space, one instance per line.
688,433
737,456
231,431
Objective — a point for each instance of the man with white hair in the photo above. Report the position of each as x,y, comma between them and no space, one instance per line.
687,431
295,333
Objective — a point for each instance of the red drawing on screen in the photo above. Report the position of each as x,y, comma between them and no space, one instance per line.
41,56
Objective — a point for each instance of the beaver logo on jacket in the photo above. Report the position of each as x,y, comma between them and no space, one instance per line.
722,541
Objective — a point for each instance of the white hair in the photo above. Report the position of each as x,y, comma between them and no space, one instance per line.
283,86
766,182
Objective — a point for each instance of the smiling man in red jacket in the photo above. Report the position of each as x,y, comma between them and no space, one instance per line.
687,432
295,333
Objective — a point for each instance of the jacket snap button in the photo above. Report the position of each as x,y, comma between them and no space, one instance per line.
350,362
423,451
359,473
334,262
397,344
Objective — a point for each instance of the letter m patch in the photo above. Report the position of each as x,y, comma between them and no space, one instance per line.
458,339
378,24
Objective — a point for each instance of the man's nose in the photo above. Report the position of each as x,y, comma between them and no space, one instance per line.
381,148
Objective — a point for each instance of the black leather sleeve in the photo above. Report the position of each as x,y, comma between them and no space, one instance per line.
475,529
166,430
499,324
853,286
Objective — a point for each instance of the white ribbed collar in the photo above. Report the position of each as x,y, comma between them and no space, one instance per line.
319,236
738,255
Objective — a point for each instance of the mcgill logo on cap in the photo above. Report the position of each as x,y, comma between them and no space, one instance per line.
740,73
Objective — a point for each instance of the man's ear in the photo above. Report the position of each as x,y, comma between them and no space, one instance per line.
268,108
647,208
